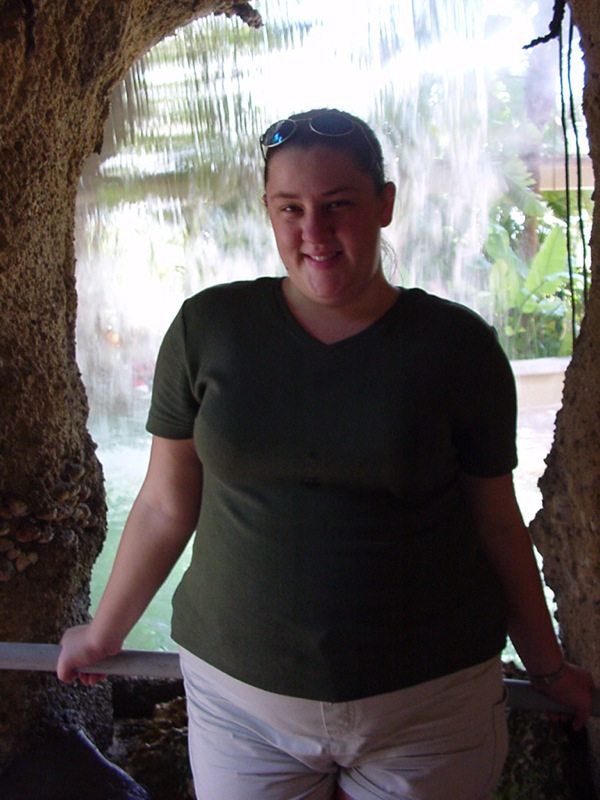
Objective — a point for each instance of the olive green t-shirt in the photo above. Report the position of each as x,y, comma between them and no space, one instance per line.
334,557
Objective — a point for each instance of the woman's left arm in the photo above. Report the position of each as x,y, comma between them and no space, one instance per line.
506,542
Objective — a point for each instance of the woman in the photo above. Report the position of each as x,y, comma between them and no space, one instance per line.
347,446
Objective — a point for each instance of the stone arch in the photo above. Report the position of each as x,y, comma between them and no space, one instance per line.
59,63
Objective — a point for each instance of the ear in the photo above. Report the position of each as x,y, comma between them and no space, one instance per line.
388,198
263,200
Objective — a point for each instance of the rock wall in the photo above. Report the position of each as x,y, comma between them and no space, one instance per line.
567,529
59,61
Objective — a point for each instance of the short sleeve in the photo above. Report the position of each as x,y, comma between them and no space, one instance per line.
486,419
174,407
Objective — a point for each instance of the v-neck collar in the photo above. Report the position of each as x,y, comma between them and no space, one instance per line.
301,332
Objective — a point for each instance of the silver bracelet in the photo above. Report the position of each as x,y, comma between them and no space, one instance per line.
549,679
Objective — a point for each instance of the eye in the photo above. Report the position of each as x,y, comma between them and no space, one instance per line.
342,203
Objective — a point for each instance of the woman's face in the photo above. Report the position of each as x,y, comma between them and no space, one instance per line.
327,220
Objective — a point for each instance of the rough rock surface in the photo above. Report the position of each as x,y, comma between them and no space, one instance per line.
59,61
567,529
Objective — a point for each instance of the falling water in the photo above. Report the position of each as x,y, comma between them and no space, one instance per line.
172,203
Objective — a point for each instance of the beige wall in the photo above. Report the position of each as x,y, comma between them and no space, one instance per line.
540,381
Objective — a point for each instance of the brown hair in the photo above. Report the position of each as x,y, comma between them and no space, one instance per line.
361,143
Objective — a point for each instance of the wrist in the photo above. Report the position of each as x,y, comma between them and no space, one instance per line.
548,679
102,640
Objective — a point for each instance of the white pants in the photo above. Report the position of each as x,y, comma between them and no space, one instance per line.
445,739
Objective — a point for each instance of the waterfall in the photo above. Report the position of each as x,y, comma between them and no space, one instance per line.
172,203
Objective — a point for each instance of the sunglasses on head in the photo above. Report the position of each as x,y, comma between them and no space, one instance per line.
325,123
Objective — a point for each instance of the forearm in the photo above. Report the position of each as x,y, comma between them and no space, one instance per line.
150,546
506,542
160,524
529,622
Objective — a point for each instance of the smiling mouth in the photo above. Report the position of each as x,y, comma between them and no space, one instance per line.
322,259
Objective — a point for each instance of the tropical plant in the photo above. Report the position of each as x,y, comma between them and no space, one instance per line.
532,302
534,264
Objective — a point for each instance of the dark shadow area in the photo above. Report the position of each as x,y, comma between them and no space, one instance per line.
67,766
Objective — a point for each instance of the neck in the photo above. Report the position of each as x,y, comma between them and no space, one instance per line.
332,323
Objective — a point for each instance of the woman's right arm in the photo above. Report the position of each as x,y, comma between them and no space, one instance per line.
160,524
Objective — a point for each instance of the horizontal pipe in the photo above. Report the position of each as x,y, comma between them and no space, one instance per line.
44,658
521,696
149,664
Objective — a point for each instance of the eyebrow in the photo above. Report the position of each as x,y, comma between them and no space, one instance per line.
283,195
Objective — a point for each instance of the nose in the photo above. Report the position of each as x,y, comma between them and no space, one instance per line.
317,227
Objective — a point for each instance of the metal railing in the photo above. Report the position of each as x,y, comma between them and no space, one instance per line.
151,664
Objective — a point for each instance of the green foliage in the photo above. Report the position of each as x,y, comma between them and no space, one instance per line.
529,293
531,302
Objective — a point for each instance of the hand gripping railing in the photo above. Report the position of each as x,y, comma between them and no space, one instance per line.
150,664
